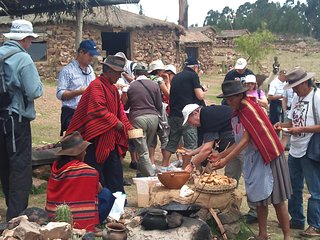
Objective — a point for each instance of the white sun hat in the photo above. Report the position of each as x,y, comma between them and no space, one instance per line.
171,68
187,110
20,29
156,65
250,79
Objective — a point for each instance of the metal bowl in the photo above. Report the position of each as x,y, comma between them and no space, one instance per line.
174,180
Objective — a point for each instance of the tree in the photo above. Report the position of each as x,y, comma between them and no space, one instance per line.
255,46
312,12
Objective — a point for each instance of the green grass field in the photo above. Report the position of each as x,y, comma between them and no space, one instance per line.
46,127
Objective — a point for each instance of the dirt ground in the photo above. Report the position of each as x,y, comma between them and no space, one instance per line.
45,129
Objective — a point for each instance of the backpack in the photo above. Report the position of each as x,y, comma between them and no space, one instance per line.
5,95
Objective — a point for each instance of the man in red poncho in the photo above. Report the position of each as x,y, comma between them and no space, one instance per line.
101,120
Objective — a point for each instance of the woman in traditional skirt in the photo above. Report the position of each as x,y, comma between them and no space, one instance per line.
265,169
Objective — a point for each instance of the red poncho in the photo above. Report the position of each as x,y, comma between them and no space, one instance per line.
75,184
259,127
96,116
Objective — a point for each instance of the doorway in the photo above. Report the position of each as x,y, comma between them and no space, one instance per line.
116,42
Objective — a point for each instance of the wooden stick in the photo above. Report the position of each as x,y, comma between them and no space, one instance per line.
220,226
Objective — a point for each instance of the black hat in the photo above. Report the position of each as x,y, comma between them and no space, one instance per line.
191,61
231,88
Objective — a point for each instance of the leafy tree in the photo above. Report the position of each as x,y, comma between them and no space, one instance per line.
212,18
255,46
290,18
312,12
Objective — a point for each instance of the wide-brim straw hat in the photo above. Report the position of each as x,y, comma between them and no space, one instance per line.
231,88
156,65
72,145
297,76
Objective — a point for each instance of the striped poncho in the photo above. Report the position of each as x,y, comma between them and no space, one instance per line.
257,124
96,117
74,184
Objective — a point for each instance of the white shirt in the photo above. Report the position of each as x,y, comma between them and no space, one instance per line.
276,87
301,115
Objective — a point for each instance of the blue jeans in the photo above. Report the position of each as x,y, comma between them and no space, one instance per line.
300,169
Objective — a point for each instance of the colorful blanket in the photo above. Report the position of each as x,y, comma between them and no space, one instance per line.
256,122
96,116
74,184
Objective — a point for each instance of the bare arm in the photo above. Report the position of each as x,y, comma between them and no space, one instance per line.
274,97
69,94
199,93
220,163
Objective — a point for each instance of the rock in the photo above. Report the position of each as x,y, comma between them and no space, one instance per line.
42,172
232,230
232,214
14,222
56,230
39,184
193,229
36,215
7,233
27,230
174,220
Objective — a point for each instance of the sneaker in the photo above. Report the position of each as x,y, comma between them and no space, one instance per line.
251,219
311,232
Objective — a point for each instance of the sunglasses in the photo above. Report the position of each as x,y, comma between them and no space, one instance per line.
86,72
250,83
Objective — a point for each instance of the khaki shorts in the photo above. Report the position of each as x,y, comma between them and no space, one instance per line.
177,131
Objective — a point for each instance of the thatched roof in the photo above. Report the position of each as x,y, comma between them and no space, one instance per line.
113,17
233,33
194,37
202,29
52,7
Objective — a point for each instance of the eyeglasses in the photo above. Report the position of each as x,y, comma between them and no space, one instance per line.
250,83
87,71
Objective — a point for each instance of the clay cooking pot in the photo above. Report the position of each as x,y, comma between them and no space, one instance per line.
114,231
174,180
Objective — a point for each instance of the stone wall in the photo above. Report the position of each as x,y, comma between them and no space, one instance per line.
150,44
61,50
210,33
206,55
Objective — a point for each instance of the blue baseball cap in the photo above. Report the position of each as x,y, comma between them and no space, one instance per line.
90,46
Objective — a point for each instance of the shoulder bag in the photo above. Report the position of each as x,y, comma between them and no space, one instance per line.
313,151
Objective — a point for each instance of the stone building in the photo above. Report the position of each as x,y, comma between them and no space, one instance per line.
225,37
197,45
141,38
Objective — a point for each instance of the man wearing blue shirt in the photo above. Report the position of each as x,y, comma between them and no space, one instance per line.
22,80
73,80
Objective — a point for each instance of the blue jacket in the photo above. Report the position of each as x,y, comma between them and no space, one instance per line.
22,79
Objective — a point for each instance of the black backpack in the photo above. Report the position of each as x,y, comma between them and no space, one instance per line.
5,94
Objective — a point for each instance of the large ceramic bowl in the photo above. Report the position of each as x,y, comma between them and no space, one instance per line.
173,180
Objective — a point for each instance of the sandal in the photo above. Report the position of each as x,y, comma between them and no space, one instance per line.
311,232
